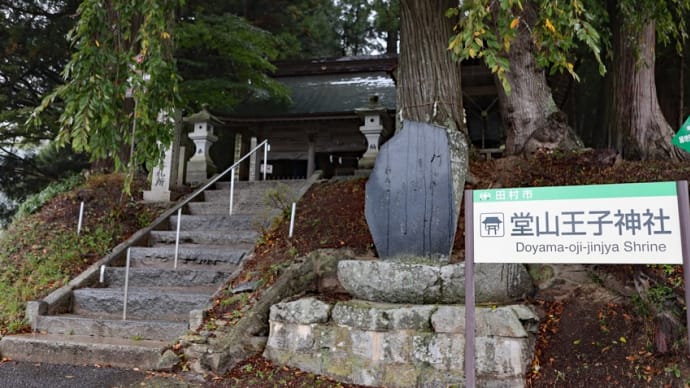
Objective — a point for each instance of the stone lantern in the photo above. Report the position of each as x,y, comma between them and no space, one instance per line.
372,130
200,166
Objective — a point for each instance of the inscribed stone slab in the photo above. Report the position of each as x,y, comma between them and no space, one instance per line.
412,203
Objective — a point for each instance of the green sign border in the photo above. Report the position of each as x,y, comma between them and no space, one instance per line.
622,190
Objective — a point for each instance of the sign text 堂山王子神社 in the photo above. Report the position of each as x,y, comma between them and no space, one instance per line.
635,223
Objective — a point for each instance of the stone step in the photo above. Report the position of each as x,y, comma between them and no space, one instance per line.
293,183
217,223
159,277
82,350
245,209
255,197
130,329
247,237
209,258
142,303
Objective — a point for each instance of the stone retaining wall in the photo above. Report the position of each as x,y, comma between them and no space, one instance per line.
393,345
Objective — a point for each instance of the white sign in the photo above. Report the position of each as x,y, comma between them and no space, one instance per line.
632,223
269,168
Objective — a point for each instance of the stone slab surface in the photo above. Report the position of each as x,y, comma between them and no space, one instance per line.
82,350
304,310
413,193
192,257
141,304
159,277
130,329
360,345
382,317
205,237
405,282
214,222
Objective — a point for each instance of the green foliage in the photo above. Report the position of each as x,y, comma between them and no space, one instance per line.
354,26
674,370
387,23
119,47
41,252
34,49
303,28
278,197
306,29
34,202
486,30
669,17
23,175
48,261
224,61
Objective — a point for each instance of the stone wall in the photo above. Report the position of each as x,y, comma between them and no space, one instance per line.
394,345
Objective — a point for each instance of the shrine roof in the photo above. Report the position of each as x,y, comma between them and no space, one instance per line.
325,94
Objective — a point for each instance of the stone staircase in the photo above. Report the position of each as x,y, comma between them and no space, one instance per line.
82,322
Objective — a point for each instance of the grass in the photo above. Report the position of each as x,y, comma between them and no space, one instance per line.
41,252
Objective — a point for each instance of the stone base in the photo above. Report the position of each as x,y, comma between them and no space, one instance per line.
377,344
366,162
412,281
157,196
362,173
198,171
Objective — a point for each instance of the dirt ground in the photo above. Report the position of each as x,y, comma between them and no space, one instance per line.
594,332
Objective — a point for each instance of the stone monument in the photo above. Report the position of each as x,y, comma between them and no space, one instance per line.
413,195
405,327
164,176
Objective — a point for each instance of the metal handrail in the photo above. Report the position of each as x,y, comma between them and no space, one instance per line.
178,208
215,179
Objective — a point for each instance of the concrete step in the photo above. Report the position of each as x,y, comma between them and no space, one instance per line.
216,223
142,303
117,328
209,258
247,237
159,277
82,350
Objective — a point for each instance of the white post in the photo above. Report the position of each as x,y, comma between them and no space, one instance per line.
177,235
232,188
81,217
101,279
124,307
292,219
265,158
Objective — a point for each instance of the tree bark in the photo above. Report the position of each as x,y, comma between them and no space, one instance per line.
531,118
636,126
430,89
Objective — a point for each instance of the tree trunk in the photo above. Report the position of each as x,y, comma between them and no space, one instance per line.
531,118
636,126
430,89
392,41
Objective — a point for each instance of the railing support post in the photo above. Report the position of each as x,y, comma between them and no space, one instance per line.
265,158
177,236
124,306
292,219
232,188
81,217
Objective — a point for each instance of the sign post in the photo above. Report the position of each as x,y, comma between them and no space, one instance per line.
629,223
